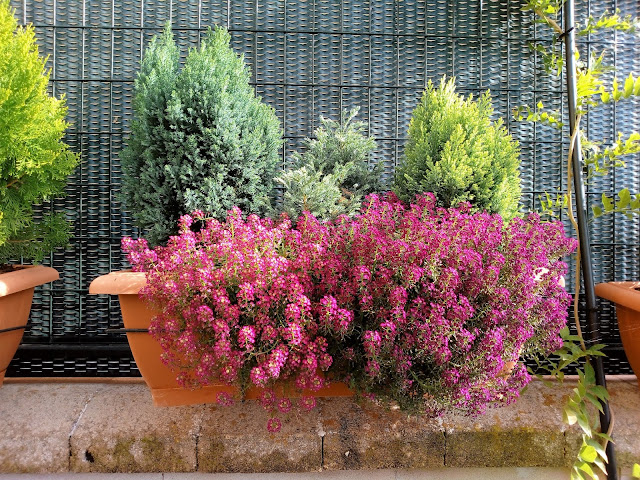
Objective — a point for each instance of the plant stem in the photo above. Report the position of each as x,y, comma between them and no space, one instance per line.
549,21
574,223
14,182
576,297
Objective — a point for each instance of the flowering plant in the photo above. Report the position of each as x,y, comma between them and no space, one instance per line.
413,304
442,300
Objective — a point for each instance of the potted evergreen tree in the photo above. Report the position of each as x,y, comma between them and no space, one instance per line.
200,140
459,154
34,165
333,175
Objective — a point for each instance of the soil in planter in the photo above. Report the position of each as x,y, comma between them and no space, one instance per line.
7,267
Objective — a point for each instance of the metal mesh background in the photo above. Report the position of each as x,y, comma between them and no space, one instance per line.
308,58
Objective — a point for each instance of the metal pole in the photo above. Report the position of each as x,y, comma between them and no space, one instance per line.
593,324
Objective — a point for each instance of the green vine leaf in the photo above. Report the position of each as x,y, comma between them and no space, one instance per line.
631,87
569,415
595,401
583,422
585,467
604,436
627,204
600,162
589,374
600,464
610,21
628,86
598,448
625,199
588,454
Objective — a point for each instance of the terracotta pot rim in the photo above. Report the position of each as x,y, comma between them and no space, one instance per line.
122,282
626,294
29,276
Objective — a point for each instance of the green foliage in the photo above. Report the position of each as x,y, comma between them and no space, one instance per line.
584,398
570,354
592,92
601,161
456,152
626,204
609,21
333,174
313,191
592,453
635,472
552,206
539,114
34,162
200,140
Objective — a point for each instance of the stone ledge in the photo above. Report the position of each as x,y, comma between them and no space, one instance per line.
114,427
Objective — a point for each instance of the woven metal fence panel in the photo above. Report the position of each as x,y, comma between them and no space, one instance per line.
309,58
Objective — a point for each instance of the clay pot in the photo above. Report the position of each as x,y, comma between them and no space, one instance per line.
626,296
16,294
161,380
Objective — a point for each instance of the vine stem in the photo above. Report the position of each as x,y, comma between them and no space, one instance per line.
549,21
576,297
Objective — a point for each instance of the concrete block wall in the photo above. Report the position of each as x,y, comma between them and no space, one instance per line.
100,427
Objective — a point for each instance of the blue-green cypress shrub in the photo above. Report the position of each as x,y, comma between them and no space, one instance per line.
200,139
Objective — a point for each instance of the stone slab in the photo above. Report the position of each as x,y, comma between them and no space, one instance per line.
324,475
417,474
87,476
527,433
480,473
114,428
36,421
625,405
370,437
122,431
235,439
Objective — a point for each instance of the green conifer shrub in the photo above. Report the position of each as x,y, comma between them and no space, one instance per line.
459,154
34,161
200,139
333,175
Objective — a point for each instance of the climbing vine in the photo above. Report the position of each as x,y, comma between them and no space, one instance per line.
599,159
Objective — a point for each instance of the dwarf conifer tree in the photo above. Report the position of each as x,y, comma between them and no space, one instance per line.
34,161
459,154
333,175
200,139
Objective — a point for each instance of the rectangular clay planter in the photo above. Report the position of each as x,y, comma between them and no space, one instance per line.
160,379
626,296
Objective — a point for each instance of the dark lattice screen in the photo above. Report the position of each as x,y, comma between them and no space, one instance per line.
309,58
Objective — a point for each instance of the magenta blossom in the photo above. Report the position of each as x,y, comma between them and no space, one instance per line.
411,303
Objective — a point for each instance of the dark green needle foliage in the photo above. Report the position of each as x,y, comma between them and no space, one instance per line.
200,139
459,154
34,161
333,175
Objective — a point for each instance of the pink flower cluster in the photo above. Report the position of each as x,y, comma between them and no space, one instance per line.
416,305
